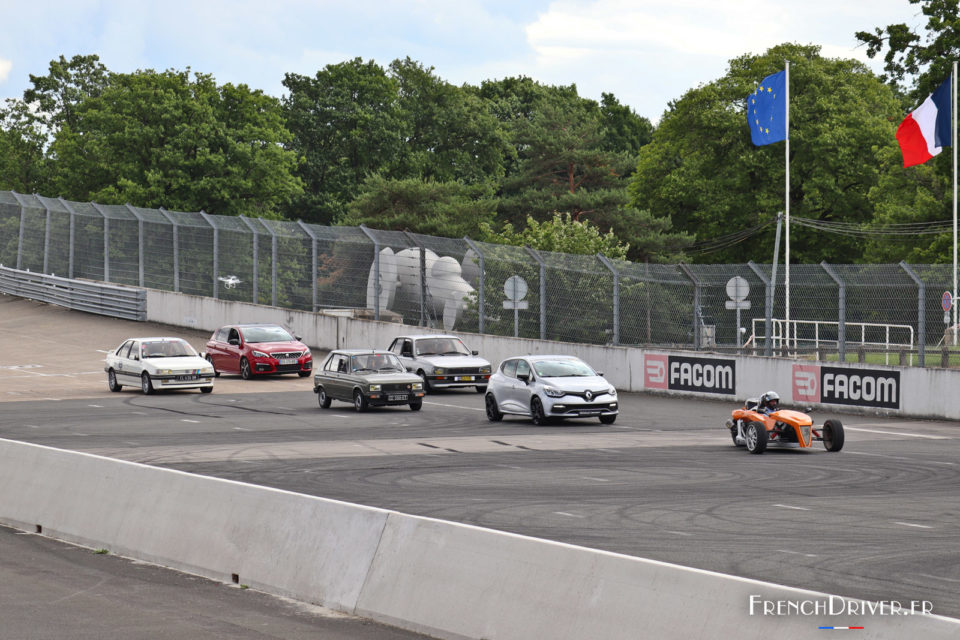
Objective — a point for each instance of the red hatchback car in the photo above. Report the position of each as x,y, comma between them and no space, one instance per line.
257,349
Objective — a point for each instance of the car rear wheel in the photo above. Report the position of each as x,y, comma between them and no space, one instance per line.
416,405
608,419
112,381
146,383
756,437
832,435
323,399
245,371
359,401
493,412
537,413
215,372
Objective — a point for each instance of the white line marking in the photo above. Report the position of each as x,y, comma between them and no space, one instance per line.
570,515
595,479
797,553
193,421
96,406
898,433
680,533
787,506
454,406
910,524
241,429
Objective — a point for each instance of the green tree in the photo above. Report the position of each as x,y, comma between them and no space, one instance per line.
449,133
164,140
68,83
23,164
560,234
448,209
622,130
702,170
346,124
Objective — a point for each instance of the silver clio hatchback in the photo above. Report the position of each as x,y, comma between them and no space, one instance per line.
547,388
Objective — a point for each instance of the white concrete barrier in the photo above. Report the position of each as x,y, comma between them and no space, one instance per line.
445,579
905,391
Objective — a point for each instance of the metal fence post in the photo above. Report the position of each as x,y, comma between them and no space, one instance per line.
176,249
313,244
696,304
216,254
73,225
256,256
841,312
46,239
616,296
106,242
23,226
481,284
543,292
376,271
424,320
139,241
921,313
273,259
768,311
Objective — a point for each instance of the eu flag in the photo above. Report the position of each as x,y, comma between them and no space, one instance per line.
767,110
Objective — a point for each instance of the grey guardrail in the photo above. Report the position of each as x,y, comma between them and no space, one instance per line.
128,303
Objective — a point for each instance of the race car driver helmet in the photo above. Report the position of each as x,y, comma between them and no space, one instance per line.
770,400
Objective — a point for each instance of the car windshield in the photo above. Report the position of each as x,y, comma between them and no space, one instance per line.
441,346
266,334
562,368
376,362
166,349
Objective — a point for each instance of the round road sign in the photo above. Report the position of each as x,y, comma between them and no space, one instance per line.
738,288
946,301
515,288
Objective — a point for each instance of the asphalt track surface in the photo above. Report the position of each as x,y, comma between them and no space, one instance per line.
878,520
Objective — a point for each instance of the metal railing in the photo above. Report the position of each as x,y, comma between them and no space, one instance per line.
817,335
92,297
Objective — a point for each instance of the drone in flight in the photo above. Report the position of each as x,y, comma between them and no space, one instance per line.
230,281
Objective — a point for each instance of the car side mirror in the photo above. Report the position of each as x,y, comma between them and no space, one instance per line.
234,341
523,376
297,338
600,373
475,352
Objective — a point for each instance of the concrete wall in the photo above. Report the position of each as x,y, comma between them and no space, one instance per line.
440,578
915,392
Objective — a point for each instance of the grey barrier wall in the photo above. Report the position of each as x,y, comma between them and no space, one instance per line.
92,297
906,391
461,284
440,578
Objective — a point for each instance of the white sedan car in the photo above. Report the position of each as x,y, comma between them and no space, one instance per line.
157,363
547,388
442,361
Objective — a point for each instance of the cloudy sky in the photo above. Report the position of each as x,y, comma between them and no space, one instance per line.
645,52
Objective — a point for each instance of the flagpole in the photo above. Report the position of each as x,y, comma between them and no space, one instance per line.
786,258
954,141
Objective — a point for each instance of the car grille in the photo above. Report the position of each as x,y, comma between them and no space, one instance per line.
287,354
287,368
459,370
396,388
599,406
583,394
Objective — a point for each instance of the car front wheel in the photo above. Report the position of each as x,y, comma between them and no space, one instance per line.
215,372
426,383
206,389
756,437
146,383
537,414
112,381
416,405
245,372
832,435
323,399
359,401
608,419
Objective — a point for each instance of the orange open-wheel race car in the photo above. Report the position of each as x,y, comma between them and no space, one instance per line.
751,428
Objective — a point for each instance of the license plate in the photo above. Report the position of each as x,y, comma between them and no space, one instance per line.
397,397
288,361
465,378
186,378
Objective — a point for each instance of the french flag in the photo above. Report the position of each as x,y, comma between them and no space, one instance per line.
926,130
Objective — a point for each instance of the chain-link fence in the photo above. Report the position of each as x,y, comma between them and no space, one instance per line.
839,311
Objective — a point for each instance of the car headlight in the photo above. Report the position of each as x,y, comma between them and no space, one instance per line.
417,386
260,354
484,369
554,392
438,371
375,387
612,391
306,353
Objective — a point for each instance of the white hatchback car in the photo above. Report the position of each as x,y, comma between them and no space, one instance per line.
157,363
550,387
